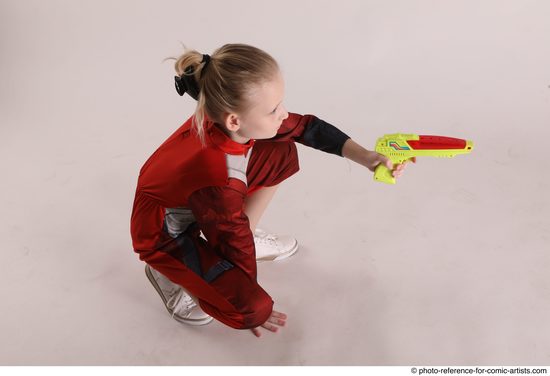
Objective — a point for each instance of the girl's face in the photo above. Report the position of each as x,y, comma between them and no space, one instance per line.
265,115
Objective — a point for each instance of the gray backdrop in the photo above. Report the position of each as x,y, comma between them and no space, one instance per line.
447,267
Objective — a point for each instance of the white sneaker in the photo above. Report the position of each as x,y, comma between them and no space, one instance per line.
271,247
177,300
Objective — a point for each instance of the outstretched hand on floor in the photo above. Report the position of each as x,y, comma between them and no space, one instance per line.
276,318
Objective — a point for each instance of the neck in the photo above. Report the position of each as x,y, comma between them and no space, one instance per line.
233,135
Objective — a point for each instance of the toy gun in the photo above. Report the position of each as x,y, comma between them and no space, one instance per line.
400,148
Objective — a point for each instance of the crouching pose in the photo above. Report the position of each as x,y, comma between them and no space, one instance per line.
201,194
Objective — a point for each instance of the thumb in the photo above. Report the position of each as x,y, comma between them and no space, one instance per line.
388,163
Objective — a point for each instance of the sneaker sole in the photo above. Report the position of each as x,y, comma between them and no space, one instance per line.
197,322
280,257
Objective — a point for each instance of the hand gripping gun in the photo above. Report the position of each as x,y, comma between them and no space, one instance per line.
400,148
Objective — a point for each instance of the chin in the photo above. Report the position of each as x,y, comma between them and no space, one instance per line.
269,135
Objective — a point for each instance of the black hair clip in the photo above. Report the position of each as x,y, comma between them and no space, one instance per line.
180,85
186,84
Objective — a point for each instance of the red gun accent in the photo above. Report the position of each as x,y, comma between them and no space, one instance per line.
437,143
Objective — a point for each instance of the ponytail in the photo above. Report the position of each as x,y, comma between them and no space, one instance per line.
222,82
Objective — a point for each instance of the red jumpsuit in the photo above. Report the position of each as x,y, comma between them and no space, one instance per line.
181,176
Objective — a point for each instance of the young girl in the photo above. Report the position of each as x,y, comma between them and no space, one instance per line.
201,194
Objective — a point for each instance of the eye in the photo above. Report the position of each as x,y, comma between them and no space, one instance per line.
276,107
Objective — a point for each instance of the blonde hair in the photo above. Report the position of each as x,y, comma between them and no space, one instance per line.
231,74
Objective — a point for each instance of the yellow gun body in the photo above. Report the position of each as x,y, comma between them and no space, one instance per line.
400,148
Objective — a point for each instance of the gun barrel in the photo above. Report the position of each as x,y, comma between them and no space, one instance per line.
439,143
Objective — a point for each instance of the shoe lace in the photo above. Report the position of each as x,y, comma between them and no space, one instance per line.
180,303
270,239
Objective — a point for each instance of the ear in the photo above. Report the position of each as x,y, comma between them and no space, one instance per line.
232,122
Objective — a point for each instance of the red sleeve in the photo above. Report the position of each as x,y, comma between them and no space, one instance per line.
220,214
293,127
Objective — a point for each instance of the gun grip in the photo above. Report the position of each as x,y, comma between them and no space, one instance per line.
383,174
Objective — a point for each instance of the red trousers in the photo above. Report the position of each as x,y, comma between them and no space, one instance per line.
234,298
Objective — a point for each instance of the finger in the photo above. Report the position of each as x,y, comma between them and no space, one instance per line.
256,332
414,159
279,315
389,164
270,327
277,321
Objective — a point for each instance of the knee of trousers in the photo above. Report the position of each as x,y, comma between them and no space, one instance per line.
285,154
272,163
